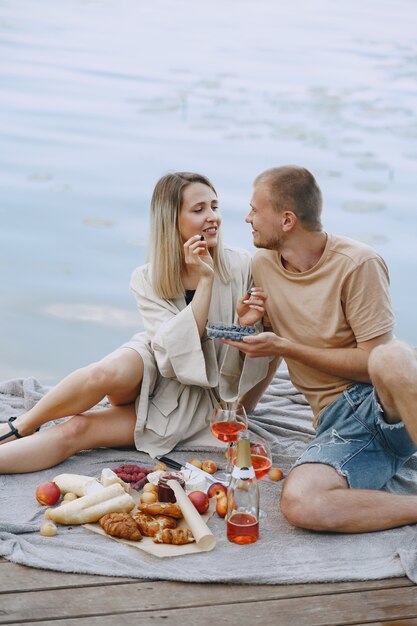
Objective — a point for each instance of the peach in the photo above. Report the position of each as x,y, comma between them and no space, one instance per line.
200,500
276,474
69,496
150,487
48,529
209,466
48,493
148,497
221,506
216,490
196,462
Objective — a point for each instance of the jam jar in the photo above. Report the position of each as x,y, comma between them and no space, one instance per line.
165,493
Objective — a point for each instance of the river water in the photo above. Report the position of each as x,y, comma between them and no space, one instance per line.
101,97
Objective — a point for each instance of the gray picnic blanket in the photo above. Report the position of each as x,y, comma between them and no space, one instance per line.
282,555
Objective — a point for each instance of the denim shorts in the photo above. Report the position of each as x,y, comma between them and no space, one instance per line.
353,437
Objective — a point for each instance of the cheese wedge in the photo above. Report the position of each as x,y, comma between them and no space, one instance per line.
108,477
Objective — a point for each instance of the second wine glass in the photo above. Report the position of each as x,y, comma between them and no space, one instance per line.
227,420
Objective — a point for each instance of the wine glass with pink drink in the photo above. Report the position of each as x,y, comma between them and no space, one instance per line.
227,420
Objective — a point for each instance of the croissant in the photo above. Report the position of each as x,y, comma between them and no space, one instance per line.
149,525
165,521
166,508
177,537
120,525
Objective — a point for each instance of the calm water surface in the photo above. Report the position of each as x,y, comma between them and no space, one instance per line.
100,98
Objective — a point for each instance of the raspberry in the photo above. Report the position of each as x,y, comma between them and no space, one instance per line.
132,473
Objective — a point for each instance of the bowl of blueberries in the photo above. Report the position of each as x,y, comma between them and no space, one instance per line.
233,332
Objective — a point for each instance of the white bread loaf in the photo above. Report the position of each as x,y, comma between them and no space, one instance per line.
72,483
88,509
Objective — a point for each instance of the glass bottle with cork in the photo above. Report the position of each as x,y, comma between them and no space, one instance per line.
243,496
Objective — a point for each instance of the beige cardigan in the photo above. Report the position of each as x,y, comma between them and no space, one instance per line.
185,375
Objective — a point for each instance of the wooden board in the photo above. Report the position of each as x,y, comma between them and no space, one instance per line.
31,596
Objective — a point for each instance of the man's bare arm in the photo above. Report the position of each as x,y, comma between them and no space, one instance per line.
350,363
252,397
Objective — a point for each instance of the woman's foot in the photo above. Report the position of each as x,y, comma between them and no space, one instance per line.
9,431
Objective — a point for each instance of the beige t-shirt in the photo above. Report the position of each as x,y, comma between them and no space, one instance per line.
343,300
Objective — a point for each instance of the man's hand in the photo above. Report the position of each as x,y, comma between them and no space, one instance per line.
263,344
251,308
349,363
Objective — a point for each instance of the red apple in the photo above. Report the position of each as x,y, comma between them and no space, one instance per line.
209,466
216,490
48,493
200,500
221,506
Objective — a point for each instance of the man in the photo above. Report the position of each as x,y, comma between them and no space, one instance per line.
330,312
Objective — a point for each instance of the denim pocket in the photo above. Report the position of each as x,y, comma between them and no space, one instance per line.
356,394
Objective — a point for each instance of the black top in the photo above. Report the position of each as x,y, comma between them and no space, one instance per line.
188,295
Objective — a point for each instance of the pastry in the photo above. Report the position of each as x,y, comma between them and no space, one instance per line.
150,525
164,508
121,525
177,537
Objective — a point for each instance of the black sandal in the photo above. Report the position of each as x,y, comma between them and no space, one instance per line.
13,430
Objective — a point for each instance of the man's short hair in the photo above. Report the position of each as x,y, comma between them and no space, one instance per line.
295,189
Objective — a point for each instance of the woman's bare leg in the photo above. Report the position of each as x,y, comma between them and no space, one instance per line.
118,376
107,427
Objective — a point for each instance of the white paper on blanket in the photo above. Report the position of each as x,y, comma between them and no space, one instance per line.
202,534
205,540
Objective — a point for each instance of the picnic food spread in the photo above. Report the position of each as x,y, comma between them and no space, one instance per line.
113,507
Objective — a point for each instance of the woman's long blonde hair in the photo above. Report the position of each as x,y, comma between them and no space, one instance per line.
165,245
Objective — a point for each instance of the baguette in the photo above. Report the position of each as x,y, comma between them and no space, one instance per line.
89,509
72,483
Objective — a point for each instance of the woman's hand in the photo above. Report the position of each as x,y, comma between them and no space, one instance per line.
251,308
196,255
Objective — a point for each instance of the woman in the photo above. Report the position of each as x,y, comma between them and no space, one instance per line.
162,385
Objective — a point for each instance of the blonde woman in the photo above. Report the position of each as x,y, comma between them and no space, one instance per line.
161,385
